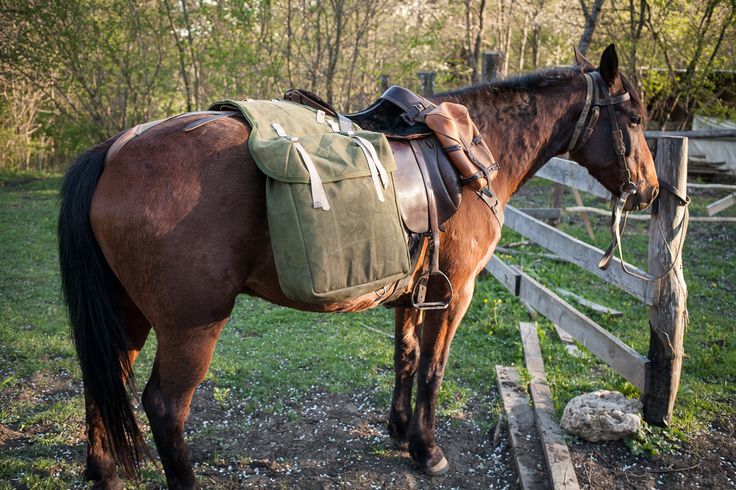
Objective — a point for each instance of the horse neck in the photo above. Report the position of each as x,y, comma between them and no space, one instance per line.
523,127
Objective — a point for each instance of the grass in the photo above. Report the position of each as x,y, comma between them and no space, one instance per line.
268,355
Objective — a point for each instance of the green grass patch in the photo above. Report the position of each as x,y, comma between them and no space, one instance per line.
268,355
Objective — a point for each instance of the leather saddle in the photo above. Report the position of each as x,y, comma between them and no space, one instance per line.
438,150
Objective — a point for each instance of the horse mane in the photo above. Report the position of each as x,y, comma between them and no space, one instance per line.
545,77
509,89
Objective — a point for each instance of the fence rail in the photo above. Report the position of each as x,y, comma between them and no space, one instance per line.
663,288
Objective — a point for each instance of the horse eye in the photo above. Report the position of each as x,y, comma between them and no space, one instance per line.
635,120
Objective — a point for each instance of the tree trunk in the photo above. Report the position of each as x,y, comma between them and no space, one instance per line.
591,21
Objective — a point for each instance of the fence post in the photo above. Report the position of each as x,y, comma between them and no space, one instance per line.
668,317
384,83
492,61
427,78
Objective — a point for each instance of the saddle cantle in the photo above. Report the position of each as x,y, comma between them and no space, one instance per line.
438,150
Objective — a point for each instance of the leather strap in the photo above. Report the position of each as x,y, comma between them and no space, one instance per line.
217,115
419,293
583,115
434,263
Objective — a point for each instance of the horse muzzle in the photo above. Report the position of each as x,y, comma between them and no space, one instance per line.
642,199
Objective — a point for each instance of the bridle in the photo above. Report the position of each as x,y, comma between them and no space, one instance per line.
597,96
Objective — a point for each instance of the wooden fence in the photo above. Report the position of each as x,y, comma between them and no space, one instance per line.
662,288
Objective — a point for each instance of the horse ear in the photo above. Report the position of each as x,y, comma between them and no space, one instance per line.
609,65
581,61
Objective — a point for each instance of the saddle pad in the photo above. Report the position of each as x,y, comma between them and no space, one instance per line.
348,242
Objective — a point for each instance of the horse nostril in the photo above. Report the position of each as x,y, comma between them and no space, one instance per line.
655,193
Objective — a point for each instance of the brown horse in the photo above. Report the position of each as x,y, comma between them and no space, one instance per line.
165,233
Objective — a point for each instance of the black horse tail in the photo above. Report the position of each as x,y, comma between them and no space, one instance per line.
92,295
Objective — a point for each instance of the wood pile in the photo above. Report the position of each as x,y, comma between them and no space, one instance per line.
700,166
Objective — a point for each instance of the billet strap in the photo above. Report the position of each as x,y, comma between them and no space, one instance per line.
319,196
490,200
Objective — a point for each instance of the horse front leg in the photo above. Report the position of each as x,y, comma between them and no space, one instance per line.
437,332
406,361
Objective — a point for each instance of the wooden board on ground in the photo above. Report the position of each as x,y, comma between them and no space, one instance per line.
568,340
590,304
611,350
556,454
721,204
525,444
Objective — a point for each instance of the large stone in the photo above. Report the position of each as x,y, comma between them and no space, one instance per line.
601,416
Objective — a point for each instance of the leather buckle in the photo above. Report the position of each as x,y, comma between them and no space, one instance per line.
413,112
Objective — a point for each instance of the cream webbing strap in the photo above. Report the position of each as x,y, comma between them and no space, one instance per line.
379,176
319,196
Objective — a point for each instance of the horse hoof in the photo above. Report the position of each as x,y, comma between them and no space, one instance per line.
439,469
400,445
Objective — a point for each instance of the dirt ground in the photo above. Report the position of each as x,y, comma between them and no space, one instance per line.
323,440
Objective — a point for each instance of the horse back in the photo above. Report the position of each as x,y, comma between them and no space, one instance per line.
181,218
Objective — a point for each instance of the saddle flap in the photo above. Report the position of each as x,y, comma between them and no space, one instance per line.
443,181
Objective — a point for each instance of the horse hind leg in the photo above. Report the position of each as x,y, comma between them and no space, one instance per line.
406,361
101,466
182,360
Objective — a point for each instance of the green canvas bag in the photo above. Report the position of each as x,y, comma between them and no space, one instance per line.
333,214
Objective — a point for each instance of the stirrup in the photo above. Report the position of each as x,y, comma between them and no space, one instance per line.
419,293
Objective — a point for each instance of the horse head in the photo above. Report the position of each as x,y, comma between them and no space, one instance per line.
609,137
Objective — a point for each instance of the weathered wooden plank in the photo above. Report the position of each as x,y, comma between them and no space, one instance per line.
556,454
668,318
583,215
622,358
525,443
507,275
695,133
580,253
590,304
608,348
568,340
647,217
572,175
727,187
543,213
721,204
